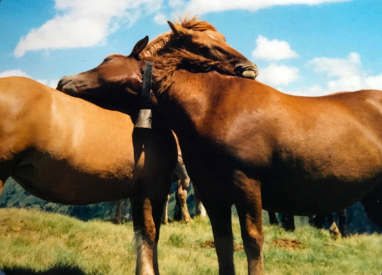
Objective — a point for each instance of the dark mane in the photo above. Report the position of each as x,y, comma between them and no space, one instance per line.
165,42
168,63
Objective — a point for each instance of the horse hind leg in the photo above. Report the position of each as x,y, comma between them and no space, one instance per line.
221,222
342,223
182,195
249,208
287,222
333,228
199,207
1,186
373,206
6,170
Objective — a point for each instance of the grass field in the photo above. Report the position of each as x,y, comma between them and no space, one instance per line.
33,242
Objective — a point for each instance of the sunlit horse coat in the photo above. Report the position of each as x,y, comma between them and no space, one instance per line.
257,147
66,150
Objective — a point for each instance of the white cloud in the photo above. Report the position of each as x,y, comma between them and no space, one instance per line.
345,74
160,18
18,72
203,6
336,67
315,90
278,75
84,23
51,83
374,82
177,4
272,49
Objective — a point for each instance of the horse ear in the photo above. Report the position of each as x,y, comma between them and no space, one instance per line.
138,48
177,29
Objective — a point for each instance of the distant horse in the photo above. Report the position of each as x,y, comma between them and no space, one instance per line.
183,182
287,222
257,147
66,150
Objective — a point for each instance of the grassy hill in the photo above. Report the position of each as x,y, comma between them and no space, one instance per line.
34,242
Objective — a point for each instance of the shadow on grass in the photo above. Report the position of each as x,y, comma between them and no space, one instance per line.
56,270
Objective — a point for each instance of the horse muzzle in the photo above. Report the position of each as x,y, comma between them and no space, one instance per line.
67,86
247,70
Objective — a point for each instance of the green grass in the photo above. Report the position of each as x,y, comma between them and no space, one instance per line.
33,242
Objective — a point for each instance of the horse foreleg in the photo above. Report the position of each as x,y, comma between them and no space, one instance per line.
221,222
272,218
165,210
249,208
117,218
145,237
183,185
317,221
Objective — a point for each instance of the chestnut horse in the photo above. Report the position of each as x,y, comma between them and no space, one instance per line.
66,150
257,147
199,37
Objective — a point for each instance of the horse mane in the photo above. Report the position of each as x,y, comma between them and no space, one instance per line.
166,65
193,24
162,42
169,55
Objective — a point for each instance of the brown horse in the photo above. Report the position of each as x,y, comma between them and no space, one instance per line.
64,149
257,147
199,37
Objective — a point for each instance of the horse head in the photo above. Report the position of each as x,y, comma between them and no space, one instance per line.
110,77
201,38
121,76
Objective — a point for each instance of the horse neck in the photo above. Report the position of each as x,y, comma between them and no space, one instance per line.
187,100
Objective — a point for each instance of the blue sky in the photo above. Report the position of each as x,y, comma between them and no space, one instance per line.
304,47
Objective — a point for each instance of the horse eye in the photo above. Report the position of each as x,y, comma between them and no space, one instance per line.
107,59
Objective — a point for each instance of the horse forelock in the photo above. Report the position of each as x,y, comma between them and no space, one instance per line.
168,63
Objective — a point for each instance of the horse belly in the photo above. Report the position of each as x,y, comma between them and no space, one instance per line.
300,195
59,181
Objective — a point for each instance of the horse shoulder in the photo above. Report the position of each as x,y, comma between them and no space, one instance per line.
20,99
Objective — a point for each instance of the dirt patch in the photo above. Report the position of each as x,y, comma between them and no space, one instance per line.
211,244
238,247
288,244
